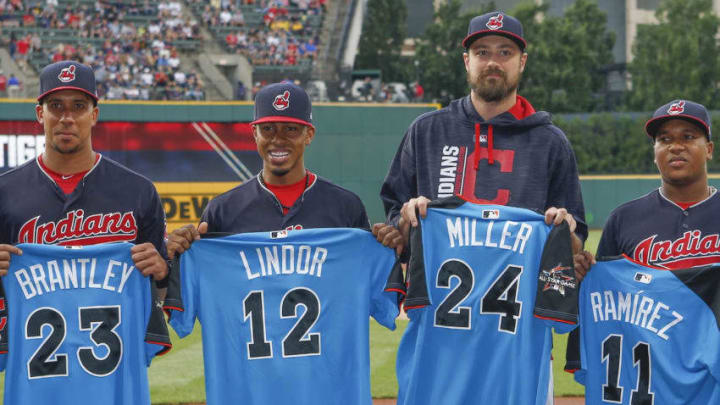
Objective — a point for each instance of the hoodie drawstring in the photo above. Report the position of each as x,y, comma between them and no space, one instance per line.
477,145
490,158
491,161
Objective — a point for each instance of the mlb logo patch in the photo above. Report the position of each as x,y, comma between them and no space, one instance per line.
643,278
490,214
279,234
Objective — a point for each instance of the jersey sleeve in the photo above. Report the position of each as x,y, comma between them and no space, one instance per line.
361,218
557,295
383,302
417,292
157,338
400,183
181,299
608,245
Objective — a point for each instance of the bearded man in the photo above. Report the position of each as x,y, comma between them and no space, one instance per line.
490,146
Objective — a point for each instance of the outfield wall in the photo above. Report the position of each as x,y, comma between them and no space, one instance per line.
194,151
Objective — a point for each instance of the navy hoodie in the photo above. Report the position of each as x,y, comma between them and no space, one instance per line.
518,158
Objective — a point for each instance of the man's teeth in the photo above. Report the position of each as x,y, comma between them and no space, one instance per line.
278,154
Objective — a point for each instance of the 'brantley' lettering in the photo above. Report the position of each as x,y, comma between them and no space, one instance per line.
284,260
466,232
44,278
637,309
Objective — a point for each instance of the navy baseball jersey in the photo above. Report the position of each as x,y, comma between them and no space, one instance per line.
518,158
285,315
78,325
650,336
252,207
487,283
671,238
110,204
683,238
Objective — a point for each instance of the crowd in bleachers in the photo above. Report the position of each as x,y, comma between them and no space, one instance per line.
267,32
135,46
132,45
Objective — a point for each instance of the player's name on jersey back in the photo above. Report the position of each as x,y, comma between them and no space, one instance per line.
465,231
47,277
282,260
634,308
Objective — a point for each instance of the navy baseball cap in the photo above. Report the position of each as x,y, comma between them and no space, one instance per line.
679,109
495,23
67,75
283,102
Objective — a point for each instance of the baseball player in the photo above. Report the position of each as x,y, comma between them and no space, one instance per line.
490,146
683,229
72,195
284,195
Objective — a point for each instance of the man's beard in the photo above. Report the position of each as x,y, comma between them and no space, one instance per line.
492,91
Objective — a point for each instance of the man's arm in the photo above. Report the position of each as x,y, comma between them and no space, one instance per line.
150,254
400,184
564,189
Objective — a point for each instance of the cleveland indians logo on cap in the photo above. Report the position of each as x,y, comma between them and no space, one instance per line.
495,22
676,108
67,74
282,101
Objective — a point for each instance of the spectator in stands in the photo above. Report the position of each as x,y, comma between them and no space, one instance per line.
3,84
23,46
240,91
13,87
418,92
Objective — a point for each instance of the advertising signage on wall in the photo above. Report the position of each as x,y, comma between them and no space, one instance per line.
162,151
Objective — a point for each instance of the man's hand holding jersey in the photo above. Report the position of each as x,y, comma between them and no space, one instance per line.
5,252
180,239
389,236
148,260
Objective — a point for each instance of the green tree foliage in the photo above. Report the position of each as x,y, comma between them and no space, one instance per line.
439,52
382,39
677,58
616,143
565,56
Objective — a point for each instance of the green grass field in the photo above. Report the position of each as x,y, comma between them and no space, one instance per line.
177,377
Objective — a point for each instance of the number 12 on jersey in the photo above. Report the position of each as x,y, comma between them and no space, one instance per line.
298,341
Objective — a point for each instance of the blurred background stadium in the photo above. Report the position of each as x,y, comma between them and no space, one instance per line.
177,78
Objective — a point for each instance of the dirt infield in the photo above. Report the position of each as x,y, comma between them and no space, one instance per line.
558,401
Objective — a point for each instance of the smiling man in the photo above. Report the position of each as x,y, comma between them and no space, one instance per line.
72,195
284,195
